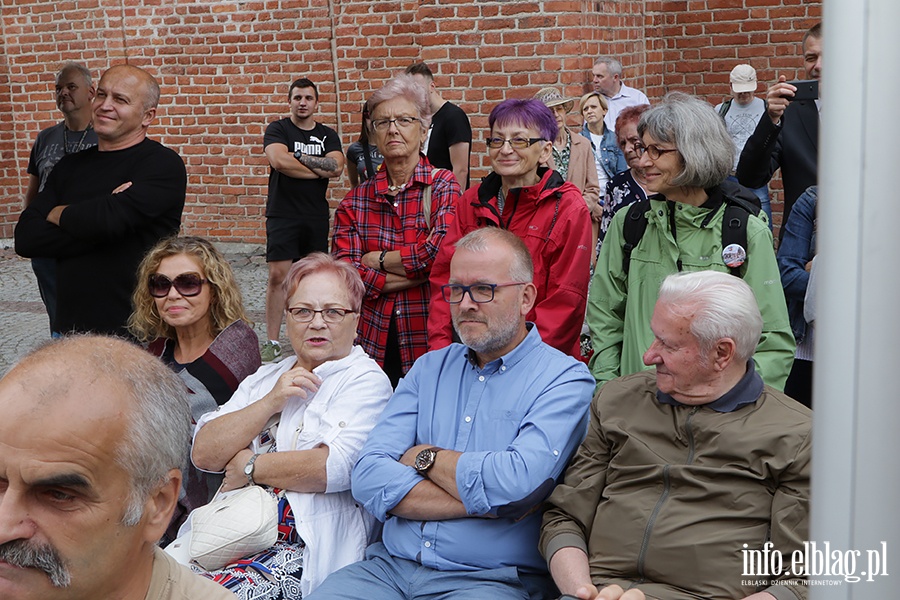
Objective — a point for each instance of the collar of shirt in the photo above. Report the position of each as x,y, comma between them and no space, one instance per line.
747,391
532,339
624,92
421,175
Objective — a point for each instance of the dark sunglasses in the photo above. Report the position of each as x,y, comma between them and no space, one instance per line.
186,284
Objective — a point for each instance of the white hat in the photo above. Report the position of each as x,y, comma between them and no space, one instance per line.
743,79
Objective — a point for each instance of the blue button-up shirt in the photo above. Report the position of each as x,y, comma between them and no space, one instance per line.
517,423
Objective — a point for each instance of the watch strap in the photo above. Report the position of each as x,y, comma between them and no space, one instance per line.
249,468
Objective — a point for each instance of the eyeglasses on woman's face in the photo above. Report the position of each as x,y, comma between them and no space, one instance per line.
517,142
186,284
652,150
301,314
400,122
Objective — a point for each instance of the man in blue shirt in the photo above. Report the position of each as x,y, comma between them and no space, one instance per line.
472,442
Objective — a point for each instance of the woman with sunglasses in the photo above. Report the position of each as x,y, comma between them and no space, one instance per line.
686,154
325,400
391,226
188,309
535,202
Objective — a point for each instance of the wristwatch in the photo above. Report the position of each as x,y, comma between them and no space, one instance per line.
425,460
248,469
298,154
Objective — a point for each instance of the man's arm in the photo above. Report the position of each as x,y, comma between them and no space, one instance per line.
34,182
459,158
761,155
308,167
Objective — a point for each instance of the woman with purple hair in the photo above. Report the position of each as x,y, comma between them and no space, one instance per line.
537,204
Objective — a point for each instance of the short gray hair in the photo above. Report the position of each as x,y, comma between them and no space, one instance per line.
75,66
407,87
612,65
522,267
158,432
721,306
706,148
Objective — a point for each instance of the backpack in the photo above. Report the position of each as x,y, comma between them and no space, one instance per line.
734,230
726,106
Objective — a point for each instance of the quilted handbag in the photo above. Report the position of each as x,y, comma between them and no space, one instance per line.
240,524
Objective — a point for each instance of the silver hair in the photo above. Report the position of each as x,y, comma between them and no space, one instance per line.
719,305
407,87
75,66
706,148
612,65
158,432
522,267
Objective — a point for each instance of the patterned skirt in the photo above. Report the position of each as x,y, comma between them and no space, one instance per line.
273,574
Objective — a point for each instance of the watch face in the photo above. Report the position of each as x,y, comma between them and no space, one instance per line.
248,468
424,460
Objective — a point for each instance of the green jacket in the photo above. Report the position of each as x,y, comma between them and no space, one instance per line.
664,497
620,306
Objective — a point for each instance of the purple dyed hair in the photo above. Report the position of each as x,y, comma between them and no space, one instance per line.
529,113
319,262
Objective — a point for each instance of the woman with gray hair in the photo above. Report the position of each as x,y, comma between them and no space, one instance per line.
686,155
392,225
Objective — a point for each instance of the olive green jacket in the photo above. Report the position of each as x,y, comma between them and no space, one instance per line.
664,498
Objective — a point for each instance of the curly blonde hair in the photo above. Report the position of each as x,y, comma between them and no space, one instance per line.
226,305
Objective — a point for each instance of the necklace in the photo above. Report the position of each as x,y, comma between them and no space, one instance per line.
80,142
396,188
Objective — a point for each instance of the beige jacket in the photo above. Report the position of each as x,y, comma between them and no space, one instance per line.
172,581
663,497
582,169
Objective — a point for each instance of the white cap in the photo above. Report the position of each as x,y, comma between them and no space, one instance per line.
743,79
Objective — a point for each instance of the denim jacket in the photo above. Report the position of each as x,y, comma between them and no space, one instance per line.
798,247
611,156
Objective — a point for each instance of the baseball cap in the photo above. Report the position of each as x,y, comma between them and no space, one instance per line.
743,79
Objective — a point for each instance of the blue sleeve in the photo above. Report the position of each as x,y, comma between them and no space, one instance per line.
512,481
379,482
796,247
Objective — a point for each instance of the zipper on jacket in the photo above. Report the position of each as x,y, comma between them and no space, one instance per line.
652,521
665,494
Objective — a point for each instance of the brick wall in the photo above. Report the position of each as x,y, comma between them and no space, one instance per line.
224,68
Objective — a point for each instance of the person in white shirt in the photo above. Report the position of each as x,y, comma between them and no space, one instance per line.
607,78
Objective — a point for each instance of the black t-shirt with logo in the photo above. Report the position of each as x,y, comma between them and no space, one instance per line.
291,197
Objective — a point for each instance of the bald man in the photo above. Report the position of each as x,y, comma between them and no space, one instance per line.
92,439
103,208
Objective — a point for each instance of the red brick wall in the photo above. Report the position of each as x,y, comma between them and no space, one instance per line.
224,68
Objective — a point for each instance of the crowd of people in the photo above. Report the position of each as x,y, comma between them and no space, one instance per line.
553,381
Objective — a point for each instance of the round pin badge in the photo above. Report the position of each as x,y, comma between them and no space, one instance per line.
734,255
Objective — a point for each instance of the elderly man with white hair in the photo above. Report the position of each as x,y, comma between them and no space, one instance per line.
687,471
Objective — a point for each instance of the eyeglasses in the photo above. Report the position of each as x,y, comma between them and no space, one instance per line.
480,293
653,150
517,143
401,122
329,315
186,284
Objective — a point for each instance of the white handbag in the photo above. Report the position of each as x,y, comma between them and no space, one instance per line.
234,525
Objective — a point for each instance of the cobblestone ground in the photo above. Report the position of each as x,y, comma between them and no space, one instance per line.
24,323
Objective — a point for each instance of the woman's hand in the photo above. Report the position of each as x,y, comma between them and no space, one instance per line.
234,471
296,382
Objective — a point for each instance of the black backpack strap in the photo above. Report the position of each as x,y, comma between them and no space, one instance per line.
633,229
726,106
734,232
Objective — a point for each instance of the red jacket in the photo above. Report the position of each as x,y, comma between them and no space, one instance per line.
553,221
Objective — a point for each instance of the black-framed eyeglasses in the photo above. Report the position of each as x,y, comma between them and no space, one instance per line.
653,150
479,293
517,142
301,314
401,122
186,284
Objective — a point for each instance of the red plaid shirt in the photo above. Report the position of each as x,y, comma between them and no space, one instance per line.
367,220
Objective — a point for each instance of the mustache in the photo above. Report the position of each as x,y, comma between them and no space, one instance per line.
43,557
